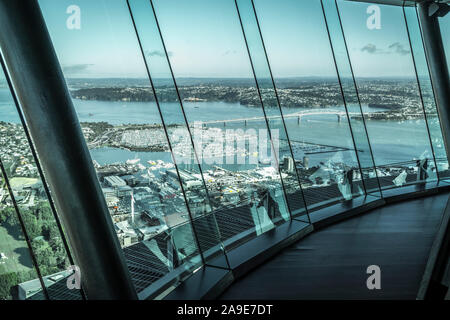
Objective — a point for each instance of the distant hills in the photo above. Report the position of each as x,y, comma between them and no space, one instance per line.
80,83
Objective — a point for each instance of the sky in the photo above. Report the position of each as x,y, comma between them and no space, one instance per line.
445,31
204,39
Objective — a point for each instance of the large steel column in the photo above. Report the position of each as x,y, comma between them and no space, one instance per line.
42,93
433,286
435,53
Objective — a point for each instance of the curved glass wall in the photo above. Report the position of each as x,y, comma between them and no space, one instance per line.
271,106
300,56
179,132
426,92
128,140
237,153
380,53
351,97
210,123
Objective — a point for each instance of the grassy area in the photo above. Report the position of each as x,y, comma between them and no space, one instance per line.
16,250
20,181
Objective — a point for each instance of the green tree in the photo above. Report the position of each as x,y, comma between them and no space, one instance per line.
32,224
6,213
7,282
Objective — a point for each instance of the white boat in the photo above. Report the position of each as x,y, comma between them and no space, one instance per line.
133,161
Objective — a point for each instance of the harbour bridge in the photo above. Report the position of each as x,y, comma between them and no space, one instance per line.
299,115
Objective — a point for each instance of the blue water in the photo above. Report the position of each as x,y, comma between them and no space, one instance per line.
391,141
107,155
147,112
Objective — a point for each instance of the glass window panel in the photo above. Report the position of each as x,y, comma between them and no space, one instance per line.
181,143
444,23
383,67
351,98
120,119
202,157
300,57
269,98
426,91
210,62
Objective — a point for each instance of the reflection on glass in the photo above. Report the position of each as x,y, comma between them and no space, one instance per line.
444,23
389,94
426,91
128,143
270,102
212,122
218,94
351,98
173,114
316,120
34,208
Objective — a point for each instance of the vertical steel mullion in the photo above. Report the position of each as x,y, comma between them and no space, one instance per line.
264,111
438,68
358,97
167,135
343,98
24,230
39,168
281,111
420,91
